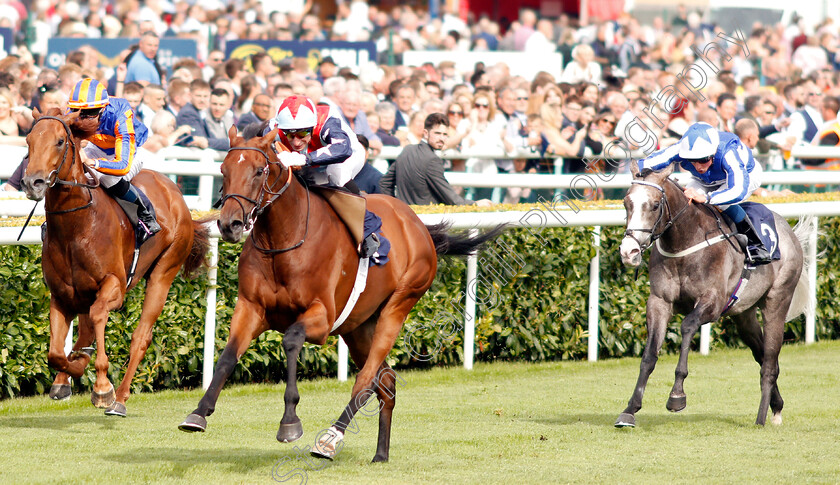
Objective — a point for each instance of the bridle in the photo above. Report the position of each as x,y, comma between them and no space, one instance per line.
259,204
53,178
663,205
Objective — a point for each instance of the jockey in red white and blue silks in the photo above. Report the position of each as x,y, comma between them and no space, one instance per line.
323,140
114,150
724,174
332,147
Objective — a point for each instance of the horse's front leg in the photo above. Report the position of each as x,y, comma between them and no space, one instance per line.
247,324
291,428
109,297
658,314
61,386
706,310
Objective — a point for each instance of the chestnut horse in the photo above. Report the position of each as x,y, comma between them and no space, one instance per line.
296,272
89,249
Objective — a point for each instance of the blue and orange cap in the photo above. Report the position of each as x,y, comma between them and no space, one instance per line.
88,93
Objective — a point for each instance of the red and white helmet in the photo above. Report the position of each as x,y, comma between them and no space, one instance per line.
295,113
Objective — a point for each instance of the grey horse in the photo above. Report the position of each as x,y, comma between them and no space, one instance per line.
694,269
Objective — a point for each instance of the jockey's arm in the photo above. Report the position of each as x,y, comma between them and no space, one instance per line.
660,159
735,188
336,145
125,149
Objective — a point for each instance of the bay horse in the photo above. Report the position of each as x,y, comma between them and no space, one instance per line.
296,272
694,270
89,249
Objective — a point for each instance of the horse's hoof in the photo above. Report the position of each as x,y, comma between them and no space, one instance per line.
675,404
290,432
326,446
104,399
88,351
777,419
60,392
193,423
625,420
116,409
379,459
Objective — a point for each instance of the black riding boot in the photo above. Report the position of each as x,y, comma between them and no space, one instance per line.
756,252
145,212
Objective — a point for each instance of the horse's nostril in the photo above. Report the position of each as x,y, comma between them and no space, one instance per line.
38,182
236,224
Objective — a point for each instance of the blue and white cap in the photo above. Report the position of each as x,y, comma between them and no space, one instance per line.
700,140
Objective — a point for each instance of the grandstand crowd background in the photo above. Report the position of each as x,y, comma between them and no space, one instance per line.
783,77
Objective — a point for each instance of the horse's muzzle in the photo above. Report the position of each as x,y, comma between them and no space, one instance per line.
231,230
34,186
631,253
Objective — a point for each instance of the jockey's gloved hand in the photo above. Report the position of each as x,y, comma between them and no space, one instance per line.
292,159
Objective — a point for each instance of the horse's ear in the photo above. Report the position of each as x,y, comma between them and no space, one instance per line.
36,113
634,168
667,171
271,136
232,134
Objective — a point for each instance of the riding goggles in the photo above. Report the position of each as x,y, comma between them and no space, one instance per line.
302,133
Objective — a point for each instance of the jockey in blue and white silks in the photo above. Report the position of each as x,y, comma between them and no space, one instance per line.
724,174
114,149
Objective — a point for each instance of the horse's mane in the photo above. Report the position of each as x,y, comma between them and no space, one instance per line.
254,129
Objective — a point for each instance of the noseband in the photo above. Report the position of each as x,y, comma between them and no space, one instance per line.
257,209
53,177
663,204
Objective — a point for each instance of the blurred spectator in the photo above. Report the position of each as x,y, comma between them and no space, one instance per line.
154,100
405,99
133,93
417,175
177,96
829,135
368,178
263,66
387,114
583,67
326,69
261,110
142,65
193,113
163,132
218,118
805,122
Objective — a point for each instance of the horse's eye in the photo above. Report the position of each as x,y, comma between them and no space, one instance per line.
260,172
655,207
60,142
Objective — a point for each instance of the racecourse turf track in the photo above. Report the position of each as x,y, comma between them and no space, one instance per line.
500,423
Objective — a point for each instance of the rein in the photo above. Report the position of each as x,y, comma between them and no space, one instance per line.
259,207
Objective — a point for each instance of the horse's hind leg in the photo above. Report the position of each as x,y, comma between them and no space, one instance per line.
109,297
775,309
703,312
157,289
247,324
358,342
61,388
387,329
658,314
750,332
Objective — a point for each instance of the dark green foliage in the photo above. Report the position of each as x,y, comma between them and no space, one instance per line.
534,294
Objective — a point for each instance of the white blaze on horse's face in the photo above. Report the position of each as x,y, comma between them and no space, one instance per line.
241,158
639,205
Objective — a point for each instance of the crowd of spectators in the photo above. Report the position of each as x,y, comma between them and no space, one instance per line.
784,79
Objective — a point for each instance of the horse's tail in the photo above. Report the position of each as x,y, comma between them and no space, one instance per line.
460,243
197,260
803,230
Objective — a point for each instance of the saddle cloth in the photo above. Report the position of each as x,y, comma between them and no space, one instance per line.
765,224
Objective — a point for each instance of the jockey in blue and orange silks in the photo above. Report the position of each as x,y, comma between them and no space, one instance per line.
725,174
114,150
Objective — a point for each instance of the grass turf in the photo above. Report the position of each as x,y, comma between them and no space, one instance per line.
500,423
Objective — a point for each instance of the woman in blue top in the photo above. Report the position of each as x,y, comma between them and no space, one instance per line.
725,174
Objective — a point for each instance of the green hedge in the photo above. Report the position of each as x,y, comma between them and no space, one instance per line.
537,314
